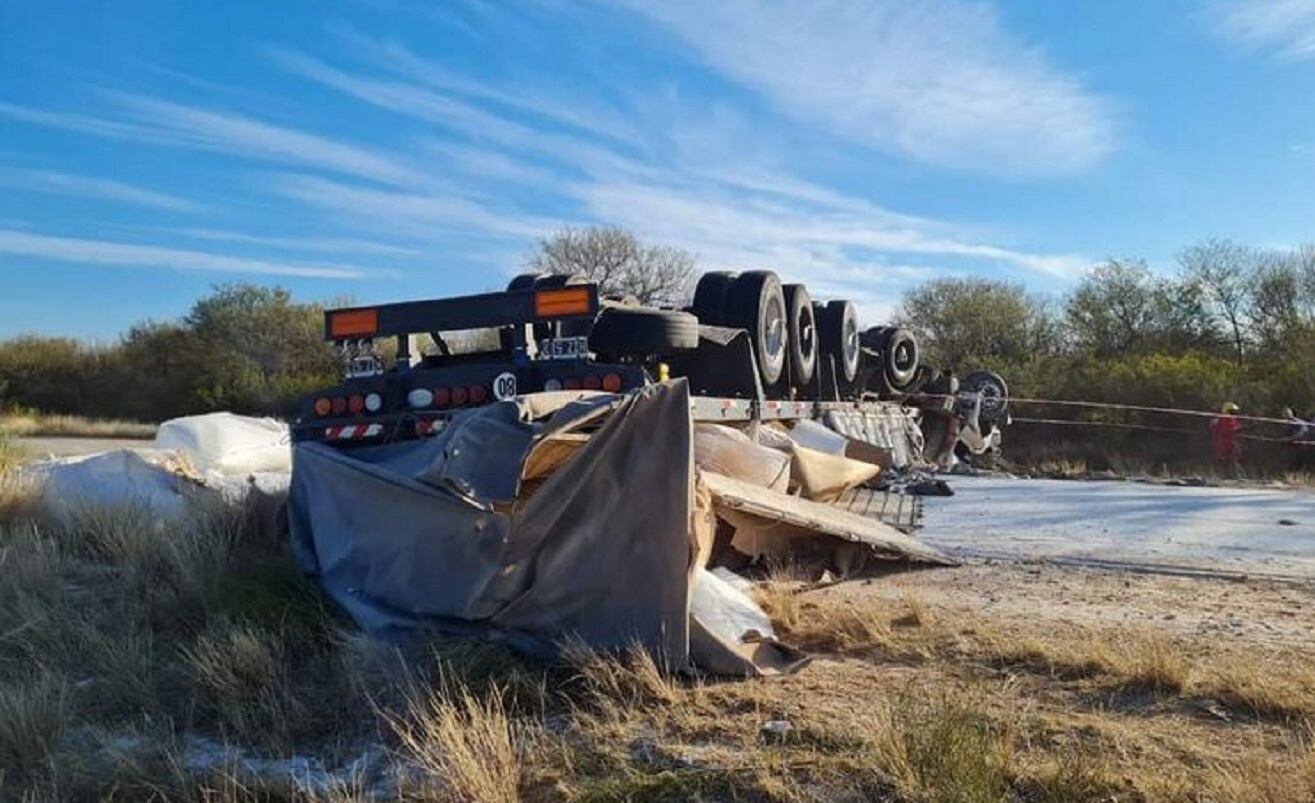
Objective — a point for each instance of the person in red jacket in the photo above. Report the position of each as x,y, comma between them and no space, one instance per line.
1224,446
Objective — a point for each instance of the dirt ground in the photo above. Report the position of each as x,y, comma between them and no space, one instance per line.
1256,612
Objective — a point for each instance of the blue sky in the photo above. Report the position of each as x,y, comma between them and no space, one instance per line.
388,150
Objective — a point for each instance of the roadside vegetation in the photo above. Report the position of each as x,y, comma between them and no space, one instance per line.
18,423
1229,323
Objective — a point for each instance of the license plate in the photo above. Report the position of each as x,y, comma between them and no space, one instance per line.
564,348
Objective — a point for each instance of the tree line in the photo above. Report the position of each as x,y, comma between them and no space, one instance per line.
1228,323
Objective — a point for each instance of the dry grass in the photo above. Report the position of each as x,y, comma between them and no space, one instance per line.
28,424
1138,661
151,635
1264,688
33,716
465,743
11,456
242,677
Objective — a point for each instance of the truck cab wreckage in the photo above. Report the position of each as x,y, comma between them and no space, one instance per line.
593,470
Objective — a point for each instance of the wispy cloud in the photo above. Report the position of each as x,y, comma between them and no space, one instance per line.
412,213
67,184
163,122
132,255
325,244
245,136
1285,27
939,80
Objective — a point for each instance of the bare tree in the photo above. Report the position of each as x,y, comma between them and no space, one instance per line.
1224,271
618,263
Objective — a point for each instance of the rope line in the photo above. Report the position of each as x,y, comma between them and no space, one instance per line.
1147,428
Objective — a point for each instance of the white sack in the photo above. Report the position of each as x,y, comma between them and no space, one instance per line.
148,479
726,611
818,436
229,444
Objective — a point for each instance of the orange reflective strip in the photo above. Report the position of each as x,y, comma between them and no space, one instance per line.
556,303
353,323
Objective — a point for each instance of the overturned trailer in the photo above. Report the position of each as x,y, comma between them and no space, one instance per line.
553,486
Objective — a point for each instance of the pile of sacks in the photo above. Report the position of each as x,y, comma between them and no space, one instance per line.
206,456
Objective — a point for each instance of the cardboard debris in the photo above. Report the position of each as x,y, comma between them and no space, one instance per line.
778,516
825,477
728,451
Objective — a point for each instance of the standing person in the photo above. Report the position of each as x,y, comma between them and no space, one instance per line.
1224,446
1298,430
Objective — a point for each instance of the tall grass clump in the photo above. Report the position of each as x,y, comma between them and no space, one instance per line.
466,743
943,750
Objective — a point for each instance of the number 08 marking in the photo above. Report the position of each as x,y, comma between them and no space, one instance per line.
504,386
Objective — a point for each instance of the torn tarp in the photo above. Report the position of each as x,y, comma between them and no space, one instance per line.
431,534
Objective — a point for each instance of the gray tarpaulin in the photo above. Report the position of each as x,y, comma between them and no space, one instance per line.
443,534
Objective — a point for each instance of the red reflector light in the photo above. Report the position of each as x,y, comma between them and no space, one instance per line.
356,404
339,405
459,396
478,393
556,303
573,383
592,382
323,406
353,323
611,382
442,397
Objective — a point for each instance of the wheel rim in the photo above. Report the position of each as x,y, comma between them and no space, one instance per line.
807,333
774,334
850,341
904,357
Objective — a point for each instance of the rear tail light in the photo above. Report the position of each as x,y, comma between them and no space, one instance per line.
592,382
356,404
374,402
323,406
459,396
612,382
442,397
339,405
478,393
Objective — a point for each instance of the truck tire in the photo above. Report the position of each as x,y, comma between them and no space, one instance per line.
710,296
643,332
898,352
838,337
803,334
901,357
756,304
995,393
552,281
524,281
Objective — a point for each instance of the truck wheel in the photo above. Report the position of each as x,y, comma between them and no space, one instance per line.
837,325
756,304
803,333
524,281
643,332
898,350
995,393
710,296
551,281
901,357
